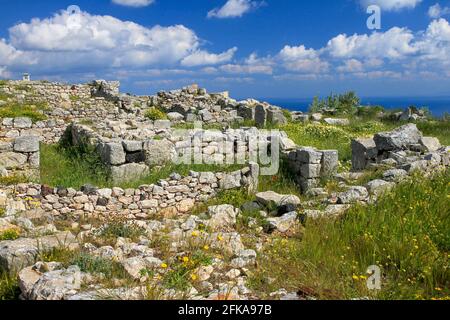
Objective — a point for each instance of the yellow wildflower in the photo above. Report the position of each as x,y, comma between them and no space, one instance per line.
164,265
195,233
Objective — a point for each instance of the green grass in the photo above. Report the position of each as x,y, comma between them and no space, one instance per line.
437,128
65,168
32,111
9,287
118,229
406,233
71,167
111,270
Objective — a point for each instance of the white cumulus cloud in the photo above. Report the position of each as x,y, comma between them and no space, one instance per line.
392,5
393,44
234,9
133,3
203,58
436,11
82,41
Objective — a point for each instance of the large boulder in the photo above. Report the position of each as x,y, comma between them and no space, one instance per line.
337,122
399,139
57,284
378,186
22,123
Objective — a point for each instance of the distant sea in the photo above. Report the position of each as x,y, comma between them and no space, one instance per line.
437,105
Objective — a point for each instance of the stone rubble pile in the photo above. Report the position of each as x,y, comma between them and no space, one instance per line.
405,147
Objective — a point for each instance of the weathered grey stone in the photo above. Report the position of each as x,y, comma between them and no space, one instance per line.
337,122
57,285
26,144
260,115
158,152
330,163
128,172
309,170
12,160
363,150
162,124
284,223
309,155
377,187
6,146
394,175
353,194
175,116
246,112
113,153
231,181
430,144
222,216
287,144
18,254
207,178
132,146
399,139
276,116
22,123
269,197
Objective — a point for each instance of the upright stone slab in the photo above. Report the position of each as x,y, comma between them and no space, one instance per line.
363,151
260,115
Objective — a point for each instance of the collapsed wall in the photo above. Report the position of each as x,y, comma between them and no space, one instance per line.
404,147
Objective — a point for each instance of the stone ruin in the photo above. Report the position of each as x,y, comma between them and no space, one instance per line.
405,147
20,157
310,165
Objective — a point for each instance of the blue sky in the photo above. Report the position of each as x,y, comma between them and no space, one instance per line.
270,48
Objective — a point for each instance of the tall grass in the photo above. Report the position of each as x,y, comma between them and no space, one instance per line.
407,234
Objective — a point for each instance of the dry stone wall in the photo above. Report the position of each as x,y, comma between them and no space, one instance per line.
20,157
169,197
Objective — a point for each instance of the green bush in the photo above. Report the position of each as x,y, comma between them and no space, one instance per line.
342,104
10,234
155,114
